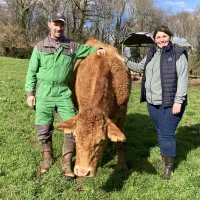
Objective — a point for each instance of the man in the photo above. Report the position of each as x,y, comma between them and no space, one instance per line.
49,73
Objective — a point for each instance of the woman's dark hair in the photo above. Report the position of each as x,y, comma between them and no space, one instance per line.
163,29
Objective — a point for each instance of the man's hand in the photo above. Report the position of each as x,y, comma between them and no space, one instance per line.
101,52
31,101
176,108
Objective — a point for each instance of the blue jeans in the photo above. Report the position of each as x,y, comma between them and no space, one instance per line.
165,123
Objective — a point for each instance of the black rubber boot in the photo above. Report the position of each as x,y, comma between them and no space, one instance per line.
169,167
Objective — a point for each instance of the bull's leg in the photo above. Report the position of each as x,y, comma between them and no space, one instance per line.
121,162
67,154
119,146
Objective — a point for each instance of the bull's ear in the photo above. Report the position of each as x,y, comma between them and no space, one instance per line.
67,126
114,133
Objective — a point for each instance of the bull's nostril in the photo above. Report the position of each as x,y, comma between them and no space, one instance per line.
88,174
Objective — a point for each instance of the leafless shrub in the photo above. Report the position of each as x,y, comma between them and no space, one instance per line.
13,42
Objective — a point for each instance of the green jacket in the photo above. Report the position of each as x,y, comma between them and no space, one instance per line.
51,66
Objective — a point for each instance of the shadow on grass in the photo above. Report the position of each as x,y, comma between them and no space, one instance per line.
187,139
141,137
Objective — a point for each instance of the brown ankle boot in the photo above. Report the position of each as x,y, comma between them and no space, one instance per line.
47,155
68,151
169,167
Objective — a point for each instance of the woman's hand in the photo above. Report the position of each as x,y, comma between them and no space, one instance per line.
176,108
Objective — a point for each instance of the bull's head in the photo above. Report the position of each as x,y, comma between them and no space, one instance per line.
91,129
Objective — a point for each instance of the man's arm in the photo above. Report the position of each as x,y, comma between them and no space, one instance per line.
31,77
84,50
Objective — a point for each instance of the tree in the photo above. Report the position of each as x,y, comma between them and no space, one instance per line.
19,12
144,16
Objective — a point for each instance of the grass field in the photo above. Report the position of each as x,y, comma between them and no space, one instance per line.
20,152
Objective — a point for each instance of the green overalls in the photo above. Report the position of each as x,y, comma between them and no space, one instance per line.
49,73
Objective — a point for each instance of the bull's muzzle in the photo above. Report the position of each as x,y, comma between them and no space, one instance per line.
84,172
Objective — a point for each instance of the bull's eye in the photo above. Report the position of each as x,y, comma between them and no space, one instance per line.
101,142
97,146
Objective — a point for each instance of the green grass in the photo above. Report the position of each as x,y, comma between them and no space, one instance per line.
20,152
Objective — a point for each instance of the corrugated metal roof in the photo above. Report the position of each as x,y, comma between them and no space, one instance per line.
144,38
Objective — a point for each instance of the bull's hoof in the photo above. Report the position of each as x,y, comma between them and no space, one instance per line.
122,168
69,175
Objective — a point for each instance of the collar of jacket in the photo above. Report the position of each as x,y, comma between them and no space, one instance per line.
50,42
167,48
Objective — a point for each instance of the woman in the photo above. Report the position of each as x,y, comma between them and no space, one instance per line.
164,87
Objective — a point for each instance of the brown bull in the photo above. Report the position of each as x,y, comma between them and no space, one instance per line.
102,89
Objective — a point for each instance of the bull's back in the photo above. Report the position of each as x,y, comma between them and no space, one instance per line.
102,81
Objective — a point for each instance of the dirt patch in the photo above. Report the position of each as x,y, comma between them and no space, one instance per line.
194,82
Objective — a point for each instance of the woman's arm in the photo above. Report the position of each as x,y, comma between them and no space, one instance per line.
137,67
182,83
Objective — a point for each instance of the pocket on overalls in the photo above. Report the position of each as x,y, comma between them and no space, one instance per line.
47,60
